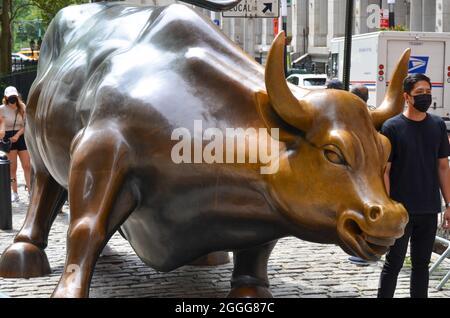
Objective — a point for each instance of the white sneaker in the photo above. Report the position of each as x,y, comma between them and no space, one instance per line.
14,197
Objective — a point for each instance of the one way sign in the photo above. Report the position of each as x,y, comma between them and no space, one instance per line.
254,9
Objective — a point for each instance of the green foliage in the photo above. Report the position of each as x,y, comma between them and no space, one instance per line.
407,263
50,8
397,27
27,24
3,85
32,18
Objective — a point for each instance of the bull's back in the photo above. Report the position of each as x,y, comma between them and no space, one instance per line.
74,47
168,63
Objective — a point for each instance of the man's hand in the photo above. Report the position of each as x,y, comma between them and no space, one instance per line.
2,134
446,219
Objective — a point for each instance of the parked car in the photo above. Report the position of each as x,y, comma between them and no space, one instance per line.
310,81
34,55
20,61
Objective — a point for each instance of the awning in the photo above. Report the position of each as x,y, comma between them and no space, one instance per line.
301,58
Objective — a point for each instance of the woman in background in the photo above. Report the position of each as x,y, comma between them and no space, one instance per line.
12,127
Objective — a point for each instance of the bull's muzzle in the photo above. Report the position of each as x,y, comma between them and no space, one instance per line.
370,233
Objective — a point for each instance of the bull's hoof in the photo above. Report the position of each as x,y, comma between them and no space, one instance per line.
250,292
24,260
212,259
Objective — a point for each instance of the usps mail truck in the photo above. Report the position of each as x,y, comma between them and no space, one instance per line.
375,55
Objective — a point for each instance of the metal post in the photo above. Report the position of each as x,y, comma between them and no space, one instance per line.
348,43
391,13
245,42
284,27
251,36
5,193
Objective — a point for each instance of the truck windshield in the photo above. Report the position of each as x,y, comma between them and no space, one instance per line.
314,81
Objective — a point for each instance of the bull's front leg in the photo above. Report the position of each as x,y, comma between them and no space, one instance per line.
249,278
100,201
26,257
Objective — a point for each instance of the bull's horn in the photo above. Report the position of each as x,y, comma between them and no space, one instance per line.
286,105
393,102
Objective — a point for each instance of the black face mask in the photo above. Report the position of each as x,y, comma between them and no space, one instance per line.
422,102
12,100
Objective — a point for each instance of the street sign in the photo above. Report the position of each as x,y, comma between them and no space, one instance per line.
254,9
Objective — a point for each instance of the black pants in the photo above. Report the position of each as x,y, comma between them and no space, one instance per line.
421,229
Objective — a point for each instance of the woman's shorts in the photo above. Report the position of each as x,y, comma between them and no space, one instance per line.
19,145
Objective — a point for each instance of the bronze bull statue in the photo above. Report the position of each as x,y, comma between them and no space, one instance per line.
115,81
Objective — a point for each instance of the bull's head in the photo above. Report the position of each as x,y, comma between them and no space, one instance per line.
330,183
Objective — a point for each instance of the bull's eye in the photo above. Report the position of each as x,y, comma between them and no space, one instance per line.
334,157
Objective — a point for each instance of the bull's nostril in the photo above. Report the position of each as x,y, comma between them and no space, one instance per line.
375,213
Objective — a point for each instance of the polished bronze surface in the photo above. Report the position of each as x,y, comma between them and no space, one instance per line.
115,81
212,259
35,265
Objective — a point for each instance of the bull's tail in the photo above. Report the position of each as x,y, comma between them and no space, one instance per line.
214,5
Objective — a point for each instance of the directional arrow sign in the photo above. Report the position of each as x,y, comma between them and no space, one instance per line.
254,9
267,7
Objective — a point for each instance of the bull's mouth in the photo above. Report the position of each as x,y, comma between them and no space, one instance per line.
362,243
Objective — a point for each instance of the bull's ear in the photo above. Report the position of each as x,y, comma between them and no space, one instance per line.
287,133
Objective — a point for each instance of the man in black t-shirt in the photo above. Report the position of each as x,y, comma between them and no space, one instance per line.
417,168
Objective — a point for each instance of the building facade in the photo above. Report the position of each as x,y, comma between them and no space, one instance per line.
311,24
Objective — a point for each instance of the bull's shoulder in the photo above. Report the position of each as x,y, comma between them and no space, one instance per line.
178,26
194,39
83,25
65,25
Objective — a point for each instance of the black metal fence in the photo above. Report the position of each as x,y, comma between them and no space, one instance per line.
21,65
22,77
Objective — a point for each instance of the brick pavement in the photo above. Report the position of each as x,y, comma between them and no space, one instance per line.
296,269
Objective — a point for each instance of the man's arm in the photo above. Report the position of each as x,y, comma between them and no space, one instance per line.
444,181
387,183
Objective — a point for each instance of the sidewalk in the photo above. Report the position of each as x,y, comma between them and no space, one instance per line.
296,269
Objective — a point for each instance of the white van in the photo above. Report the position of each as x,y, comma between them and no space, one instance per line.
374,56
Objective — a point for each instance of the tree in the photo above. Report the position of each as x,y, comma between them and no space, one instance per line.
5,37
50,8
25,25
10,11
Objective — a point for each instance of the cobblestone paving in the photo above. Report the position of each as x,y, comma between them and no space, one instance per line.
296,269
